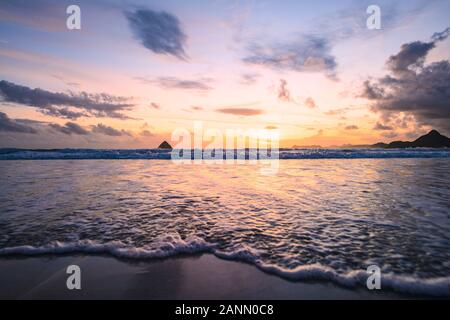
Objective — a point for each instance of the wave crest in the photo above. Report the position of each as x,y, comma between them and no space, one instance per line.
172,245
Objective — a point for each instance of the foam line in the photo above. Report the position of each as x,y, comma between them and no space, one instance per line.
173,245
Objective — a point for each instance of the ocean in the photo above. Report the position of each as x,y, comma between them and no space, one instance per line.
326,215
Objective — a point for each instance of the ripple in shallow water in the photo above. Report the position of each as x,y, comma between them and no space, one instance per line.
339,214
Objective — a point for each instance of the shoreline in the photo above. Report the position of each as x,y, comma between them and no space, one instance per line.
185,277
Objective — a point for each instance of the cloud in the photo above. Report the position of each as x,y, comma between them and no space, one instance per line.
312,50
351,127
249,78
337,112
57,104
69,128
441,36
372,92
9,125
66,81
159,32
391,135
109,131
196,108
309,102
270,127
155,105
283,92
411,55
63,112
382,127
146,133
308,53
241,111
169,83
73,128
413,88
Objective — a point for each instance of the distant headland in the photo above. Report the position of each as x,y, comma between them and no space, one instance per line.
432,139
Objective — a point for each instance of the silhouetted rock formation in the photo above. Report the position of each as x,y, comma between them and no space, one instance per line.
380,145
433,139
165,145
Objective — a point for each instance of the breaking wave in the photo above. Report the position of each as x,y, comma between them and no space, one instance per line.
173,245
158,154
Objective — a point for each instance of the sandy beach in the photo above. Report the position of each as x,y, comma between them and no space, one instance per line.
194,277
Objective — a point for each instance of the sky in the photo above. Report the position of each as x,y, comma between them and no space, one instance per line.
137,71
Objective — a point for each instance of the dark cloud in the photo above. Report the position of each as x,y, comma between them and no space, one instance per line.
30,122
241,111
168,83
10,125
382,127
372,92
441,36
159,32
351,127
411,55
109,131
63,112
69,128
57,104
308,53
413,88
283,92
155,105
310,103
73,128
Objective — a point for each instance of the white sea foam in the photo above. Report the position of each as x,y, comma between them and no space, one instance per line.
24,154
164,247
172,245
316,219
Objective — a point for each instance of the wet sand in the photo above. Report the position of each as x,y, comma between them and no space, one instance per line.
185,277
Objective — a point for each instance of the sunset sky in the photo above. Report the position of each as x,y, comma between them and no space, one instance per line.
139,69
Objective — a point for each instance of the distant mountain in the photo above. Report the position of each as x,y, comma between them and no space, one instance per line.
307,147
433,139
350,146
380,145
165,145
